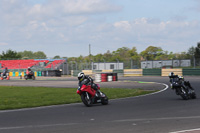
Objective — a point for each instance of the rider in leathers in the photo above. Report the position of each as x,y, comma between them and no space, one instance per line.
5,72
180,80
87,80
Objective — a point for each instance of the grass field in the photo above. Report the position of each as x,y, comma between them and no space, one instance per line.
12,97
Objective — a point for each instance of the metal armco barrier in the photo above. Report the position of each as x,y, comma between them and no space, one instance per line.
87,72
132,72
151,72
165,72
190,72
112,75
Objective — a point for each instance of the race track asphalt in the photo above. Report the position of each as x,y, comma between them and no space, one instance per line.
159,113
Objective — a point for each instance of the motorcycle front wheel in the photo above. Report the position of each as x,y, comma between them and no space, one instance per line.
86,99
184,94
104,100
26,77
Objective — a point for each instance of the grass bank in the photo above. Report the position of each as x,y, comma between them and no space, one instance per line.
12,97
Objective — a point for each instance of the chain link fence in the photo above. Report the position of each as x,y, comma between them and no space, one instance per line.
73,65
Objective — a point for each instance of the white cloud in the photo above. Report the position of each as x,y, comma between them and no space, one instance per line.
86,6
73,24
61,8
174,36
3,43
124,25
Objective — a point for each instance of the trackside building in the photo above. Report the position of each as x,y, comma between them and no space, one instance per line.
165,63
108,66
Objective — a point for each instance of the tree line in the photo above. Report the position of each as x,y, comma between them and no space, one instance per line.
12,55
150,53
120,55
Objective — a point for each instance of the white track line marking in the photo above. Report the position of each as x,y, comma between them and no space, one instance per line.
166,87
37,126
162,118
190,130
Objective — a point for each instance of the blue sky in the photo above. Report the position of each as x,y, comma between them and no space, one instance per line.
67,27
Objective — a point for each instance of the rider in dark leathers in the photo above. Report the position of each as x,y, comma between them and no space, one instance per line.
5,72
174,79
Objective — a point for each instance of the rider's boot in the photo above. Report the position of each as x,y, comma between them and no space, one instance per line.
99,93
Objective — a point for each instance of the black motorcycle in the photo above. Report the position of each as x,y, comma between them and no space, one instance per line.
29,76
183,88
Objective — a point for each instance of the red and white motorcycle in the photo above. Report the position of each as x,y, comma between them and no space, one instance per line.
90,96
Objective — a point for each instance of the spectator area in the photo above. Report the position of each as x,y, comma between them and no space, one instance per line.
24,64
55,63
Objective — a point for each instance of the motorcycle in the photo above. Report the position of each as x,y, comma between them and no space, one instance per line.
29,76
90,96
184,91
5,76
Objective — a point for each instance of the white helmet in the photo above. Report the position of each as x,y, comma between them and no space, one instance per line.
81,76
171,74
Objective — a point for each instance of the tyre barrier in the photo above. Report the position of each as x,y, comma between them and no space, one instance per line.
51,73
115,77
106,77
109,78
98,77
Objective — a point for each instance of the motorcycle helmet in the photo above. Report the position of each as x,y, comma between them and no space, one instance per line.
171,74
181,78
81,76
29,68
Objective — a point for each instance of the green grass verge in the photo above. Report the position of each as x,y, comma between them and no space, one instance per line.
12,97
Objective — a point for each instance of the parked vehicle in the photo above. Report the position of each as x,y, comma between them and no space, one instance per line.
89,96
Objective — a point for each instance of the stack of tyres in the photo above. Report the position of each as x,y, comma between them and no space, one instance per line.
98,77
110,77
115,77
104,77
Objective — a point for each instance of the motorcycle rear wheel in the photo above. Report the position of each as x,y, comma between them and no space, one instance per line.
33,77
193,95
86,99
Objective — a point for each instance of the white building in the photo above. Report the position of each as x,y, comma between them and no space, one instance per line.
108,65
165,63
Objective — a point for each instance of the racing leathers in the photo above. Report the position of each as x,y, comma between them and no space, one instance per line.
176,80
89,81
